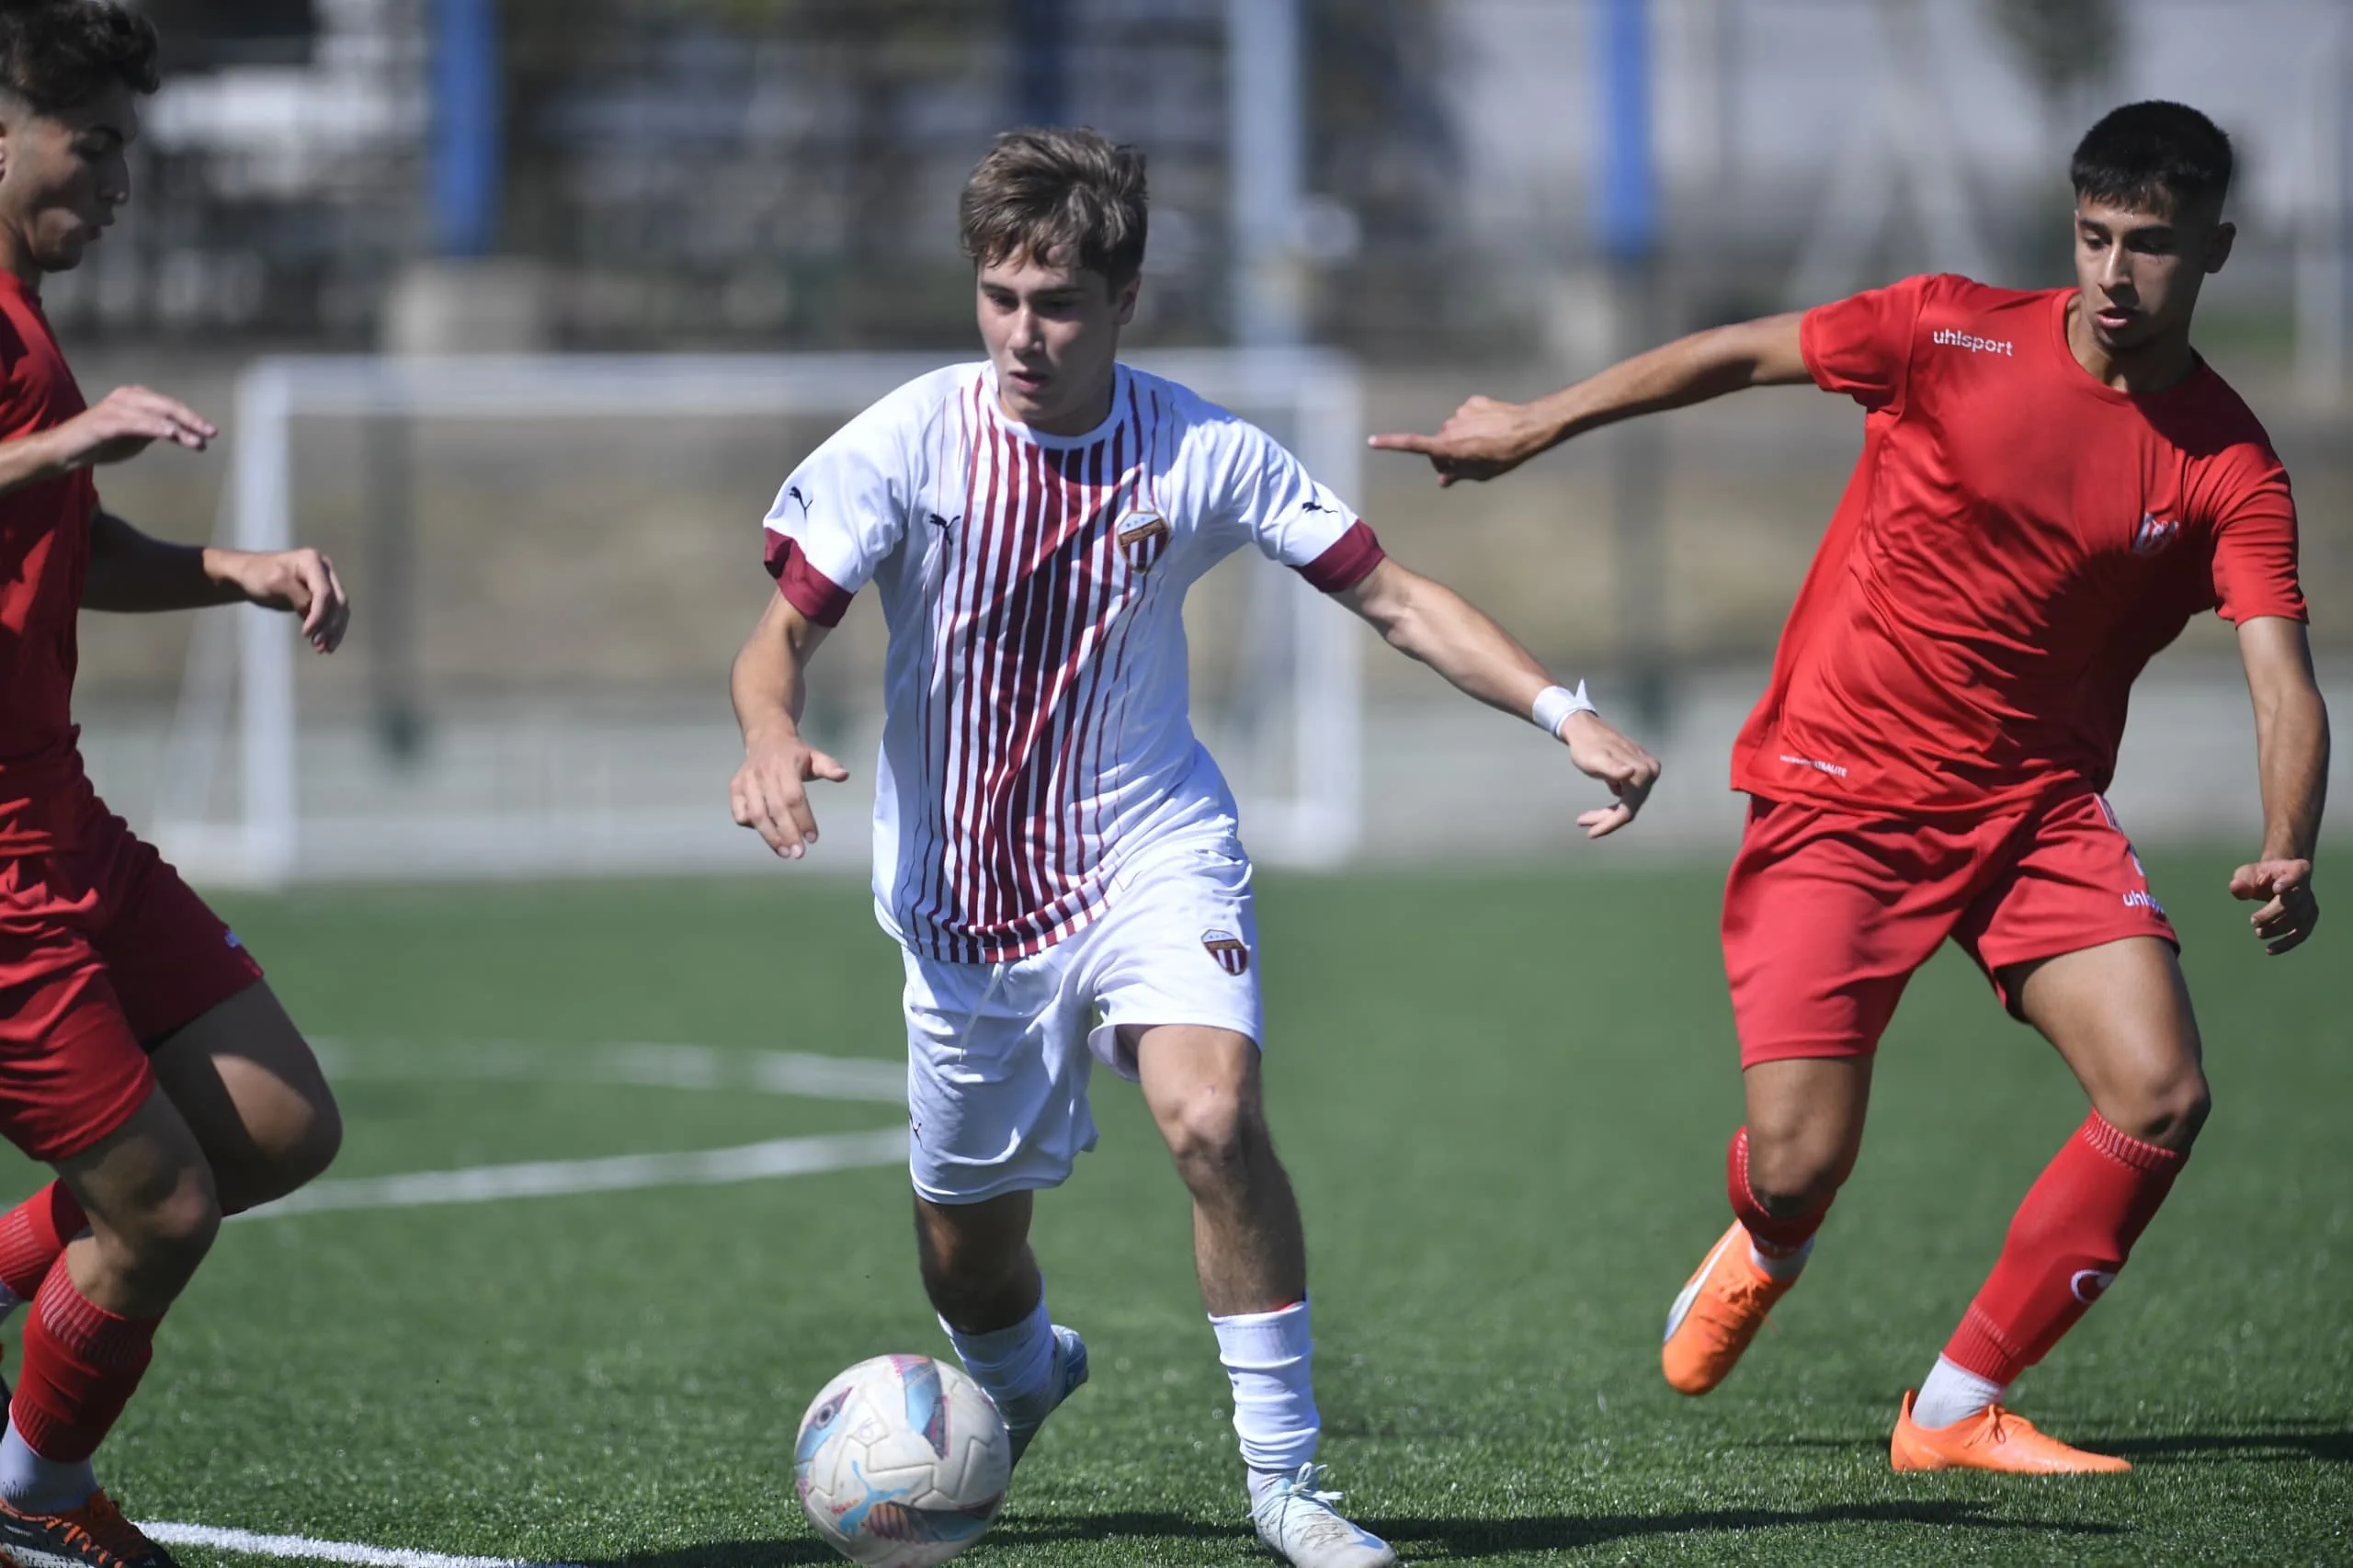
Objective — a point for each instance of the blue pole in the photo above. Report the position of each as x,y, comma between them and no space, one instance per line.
467,150
1626,205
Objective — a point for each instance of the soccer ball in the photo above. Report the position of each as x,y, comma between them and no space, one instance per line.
902,1462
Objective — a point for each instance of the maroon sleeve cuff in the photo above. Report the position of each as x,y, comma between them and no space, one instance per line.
1349,560
809,590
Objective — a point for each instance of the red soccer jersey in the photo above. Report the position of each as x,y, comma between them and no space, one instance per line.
44,554
2016,541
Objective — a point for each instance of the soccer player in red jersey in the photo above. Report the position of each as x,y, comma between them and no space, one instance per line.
2052,484
141,1055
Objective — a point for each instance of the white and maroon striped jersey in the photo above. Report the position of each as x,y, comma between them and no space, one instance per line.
1036,734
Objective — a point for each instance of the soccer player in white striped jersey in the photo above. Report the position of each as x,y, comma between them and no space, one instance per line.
1053,849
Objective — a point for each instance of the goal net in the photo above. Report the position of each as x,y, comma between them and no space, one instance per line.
552,560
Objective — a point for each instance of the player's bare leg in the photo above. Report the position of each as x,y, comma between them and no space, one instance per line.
983,1282
1203,1088
2119,1015
1786,1163
148,1196
247,1082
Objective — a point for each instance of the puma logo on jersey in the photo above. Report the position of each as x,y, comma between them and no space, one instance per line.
2089,1283
794,493
943,524
1233,954
1142,536
1314,505
2154,533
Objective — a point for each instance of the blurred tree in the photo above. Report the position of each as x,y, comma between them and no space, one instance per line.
2065,47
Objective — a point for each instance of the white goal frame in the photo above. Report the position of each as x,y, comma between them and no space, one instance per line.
263,843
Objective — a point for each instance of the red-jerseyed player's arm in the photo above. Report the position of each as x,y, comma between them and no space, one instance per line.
769,793
121,425
130,572
1486,438
1429,621
2291,757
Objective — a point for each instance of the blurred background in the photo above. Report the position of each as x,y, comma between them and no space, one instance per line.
1437,197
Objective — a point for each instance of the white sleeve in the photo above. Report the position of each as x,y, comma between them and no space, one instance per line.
1292,516
840,514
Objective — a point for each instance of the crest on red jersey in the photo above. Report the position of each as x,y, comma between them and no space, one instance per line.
1142,534
2154,533
1233,954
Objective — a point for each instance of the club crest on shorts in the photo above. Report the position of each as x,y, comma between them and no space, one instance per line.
1233,954
1142,535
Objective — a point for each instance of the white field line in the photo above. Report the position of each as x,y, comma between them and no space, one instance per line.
305,1549
623,1173
626,1066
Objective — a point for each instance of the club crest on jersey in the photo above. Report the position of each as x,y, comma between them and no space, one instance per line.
1233,954
1142,535
2154,533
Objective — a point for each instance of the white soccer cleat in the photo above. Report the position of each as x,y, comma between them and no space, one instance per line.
1296,1521
1024,1417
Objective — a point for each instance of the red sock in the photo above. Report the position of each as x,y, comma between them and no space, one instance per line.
82,1364
2071,1235
33,1235
1775,1235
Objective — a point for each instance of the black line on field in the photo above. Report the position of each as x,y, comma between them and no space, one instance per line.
726,1554
2329,1445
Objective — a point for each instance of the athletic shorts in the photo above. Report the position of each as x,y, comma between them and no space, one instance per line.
998,1055
103,951
1828,912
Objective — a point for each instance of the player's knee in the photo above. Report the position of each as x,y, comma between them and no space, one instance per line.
160,1243
1212,1133
305,1156
2167,1109
1798,1170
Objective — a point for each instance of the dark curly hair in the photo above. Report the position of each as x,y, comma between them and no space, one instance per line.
55,54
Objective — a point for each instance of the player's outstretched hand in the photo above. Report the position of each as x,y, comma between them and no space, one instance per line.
2284,888
302,582
123,423
770,794
1482,439
1602,752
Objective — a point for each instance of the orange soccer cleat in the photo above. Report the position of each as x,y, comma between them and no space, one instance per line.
1721,1309
1991,1439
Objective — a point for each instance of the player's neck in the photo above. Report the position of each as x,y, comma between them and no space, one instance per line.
1087,414
2150,366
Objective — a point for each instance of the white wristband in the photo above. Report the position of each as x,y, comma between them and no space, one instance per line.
1555,703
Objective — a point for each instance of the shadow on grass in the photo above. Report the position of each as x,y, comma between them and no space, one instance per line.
1490,1537
1453,1537
1013,1533
2300,1440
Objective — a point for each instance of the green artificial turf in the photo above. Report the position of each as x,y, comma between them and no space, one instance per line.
1504,1101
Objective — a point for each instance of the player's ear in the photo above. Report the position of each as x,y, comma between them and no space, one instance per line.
1123,298
2218,246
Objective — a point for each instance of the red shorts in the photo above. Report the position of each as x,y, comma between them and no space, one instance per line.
103,951
1828,912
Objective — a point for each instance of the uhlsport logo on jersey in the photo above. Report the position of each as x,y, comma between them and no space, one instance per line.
2089,1283
1233,954
2154,533
1143,534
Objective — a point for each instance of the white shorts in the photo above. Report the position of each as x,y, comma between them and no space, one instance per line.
998,1054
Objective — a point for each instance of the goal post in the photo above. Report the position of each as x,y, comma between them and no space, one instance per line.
268,782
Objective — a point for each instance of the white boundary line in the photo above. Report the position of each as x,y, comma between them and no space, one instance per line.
623,1173
631,1065
303,1547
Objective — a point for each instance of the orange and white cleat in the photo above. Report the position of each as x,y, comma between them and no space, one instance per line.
1721,1309
1991,1439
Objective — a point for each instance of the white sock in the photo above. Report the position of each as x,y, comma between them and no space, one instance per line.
1014,1366
41,1486
1266,1356
1787,1266
1952,1393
